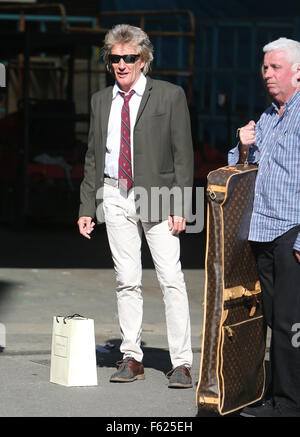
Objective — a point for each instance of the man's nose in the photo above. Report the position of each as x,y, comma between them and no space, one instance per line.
122,63
268,73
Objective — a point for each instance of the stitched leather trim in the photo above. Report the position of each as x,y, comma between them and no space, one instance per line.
218,188
239,291
208,400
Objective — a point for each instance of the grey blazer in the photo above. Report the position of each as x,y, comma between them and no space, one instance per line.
163,149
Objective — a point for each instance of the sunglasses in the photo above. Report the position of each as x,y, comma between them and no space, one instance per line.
128,59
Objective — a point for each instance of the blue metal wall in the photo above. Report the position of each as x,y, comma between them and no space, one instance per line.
212,8
228,52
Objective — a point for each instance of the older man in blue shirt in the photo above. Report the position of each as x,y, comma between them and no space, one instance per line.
274,143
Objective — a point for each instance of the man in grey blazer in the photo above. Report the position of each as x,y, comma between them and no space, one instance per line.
139,146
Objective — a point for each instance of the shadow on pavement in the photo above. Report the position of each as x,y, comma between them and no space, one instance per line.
39,245
154,358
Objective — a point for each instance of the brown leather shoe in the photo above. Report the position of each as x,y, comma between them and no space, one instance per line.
128,370
180,377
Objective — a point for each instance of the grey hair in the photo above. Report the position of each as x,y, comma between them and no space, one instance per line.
289,46
126,34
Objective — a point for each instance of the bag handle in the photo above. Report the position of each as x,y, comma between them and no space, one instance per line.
69,317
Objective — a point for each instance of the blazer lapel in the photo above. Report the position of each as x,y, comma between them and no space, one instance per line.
145,98
105,106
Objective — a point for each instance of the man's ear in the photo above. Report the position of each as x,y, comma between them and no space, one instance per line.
142,64
296,76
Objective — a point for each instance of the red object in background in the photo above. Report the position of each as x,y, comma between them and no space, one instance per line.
8,165
208,160
53,171
11,128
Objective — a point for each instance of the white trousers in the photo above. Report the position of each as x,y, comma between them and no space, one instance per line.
124,230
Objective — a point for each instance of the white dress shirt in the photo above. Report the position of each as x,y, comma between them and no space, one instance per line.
111,168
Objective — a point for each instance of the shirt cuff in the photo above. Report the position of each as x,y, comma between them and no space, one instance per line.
233,155
297,243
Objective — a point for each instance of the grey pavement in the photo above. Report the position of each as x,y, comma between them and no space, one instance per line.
46,271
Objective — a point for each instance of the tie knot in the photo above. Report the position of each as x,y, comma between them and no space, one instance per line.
128,97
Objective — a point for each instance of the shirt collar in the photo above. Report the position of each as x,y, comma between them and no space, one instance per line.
287,106
295,98
139,87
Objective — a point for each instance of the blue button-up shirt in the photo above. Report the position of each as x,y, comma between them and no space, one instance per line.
276,207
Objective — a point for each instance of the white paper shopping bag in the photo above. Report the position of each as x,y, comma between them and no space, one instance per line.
2,337
73,352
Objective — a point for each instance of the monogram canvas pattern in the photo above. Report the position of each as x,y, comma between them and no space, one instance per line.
232,370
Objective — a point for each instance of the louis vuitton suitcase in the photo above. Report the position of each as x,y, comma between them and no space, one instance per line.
232,372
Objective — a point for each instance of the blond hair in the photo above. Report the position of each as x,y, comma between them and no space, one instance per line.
126,34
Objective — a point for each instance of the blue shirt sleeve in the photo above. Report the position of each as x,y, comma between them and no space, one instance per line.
253,157
297,243
233,155
254,153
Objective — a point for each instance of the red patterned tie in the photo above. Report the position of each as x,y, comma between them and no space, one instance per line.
125,167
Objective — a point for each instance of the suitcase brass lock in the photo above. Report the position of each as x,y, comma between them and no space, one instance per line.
229,331
212,194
